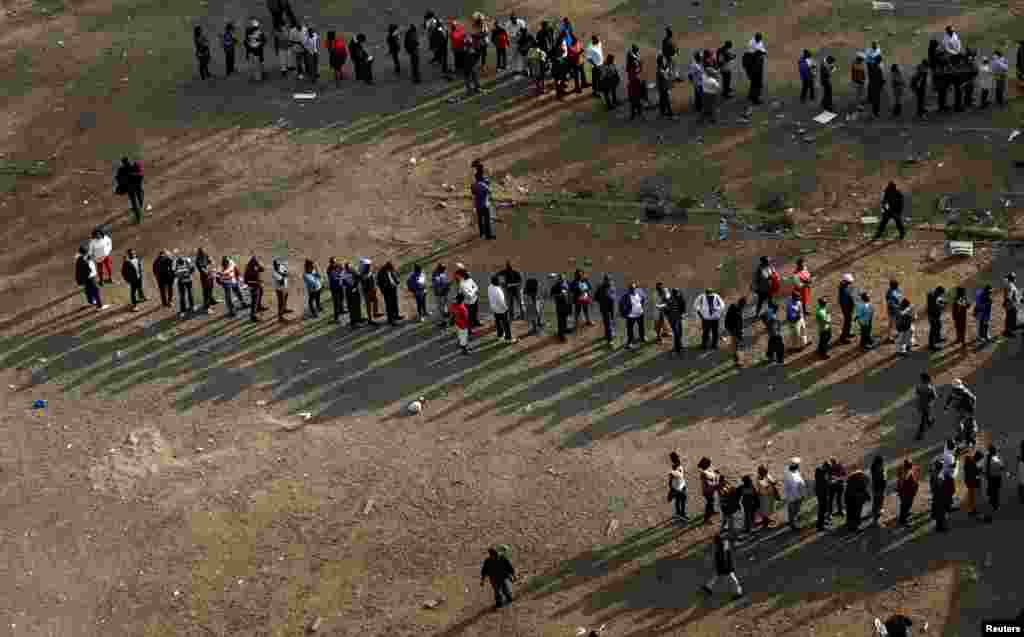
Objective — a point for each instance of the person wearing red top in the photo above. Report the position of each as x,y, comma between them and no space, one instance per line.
460,317
802,281
337,54
501,44
635,91
458,40
575,55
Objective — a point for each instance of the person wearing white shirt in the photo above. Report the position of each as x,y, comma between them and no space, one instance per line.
594,55
471,292
632,307
677,486
793,490
951,42
100,247
757,44
499,307
709,307
312,44
515,28
85,275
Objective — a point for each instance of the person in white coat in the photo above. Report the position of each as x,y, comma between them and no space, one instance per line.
498,303
709,307
793,491
100,247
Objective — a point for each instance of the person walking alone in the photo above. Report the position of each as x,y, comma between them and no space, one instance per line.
827,71
499,571
335,275
892,209
481,190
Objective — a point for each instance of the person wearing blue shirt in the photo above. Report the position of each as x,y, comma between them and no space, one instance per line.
864,315
806,66
482,201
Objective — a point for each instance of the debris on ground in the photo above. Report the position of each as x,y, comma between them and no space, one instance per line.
416,406
314,625
431,604
39,404
613,525
368,507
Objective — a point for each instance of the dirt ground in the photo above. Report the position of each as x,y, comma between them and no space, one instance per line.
219,477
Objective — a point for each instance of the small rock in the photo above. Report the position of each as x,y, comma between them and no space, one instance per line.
867,28
441,205
412,160
415,406
829,410
261,403
131,439
314,625
431,604
613,526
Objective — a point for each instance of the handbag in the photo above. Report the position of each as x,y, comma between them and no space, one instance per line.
585,299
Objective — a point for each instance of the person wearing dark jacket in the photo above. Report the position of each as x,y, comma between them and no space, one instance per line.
481,191
734,327
762,284
876,83
878,484
675,308
163,272
906,488
129,182
846,304
388,283
825,73
776,346
513,291
361,59
534,306
823,492
204,265
394,47
855,496
351,284
500,572
669,51
131,272
412,48
253,277
837,482
335,277
582,296
563,305
892,208
723,62
936,306
721,553
203,54
605,297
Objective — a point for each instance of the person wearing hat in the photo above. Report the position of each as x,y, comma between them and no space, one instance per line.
709,307
1011,303
846,305
824,319
793,491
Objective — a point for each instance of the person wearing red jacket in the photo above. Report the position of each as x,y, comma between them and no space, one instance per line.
460,317
501,44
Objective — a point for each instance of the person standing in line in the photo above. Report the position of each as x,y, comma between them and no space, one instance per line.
905,328
898,84
793,491
669,50
764,274
412,49
837,482
972,480
876,84
562,299
906,488
893,307
502,42
856,495
203,55
749,500
1000,69
1020,474
227,276
823,493
767,493
709,482
858,78
802,282
660,303
919,84
983,314
387,281
892,208
721,556
312,44
163,272
481,190
729,498
337,54
100,249
846,305
279,274
334,278
994,472
204,265
755,62
960,306
709,307
131,272
230,41
806,68
367,278
776,351
795,322
417,286
594,56
635,92
442,287
828,69
85,276
710,87
936,303
696,76
610,82
734,327
605,297
471,293
513,286
665,79
824,319
534,306
926,397
314,281
499,306
878,484
183,270
864,316
254,42
361,59
499,571
943,488
632,307
677,487
1011,303
394,47
582,297
350,283
724,60
674,310
459,314
129,180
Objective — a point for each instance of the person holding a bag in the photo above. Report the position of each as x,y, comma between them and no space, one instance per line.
581,298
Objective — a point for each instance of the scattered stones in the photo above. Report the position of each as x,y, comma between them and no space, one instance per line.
431,604
314,625
613,525
441,205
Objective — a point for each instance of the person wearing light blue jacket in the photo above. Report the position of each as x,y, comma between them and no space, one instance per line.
314,281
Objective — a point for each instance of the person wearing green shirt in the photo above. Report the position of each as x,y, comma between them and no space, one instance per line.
824,328
863,315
